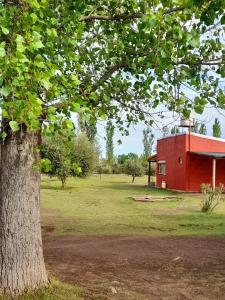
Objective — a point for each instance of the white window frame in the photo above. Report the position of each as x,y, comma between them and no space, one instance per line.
160,163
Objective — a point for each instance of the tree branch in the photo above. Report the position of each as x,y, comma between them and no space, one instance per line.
124,17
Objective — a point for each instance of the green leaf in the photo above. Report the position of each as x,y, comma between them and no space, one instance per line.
20,43
34,4
46,83
34,18
4,30
37,43
5,90
222,20
2,49
75,79
75,107
4,113
14,126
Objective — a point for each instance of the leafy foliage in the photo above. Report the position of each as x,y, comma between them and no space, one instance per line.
60,57
57,156
123,157
134,168
87,128
109,143
86,154
210,197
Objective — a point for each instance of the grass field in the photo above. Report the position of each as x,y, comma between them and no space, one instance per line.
92,206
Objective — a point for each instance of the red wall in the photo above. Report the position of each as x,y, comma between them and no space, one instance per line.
195,169
201,166
204,144
170,149
201,171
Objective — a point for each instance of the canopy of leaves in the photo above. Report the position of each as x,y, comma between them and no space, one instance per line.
123,157
108,58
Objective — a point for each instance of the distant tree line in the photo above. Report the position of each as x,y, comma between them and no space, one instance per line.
196,128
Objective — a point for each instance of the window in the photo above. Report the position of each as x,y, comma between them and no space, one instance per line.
180,160
162,167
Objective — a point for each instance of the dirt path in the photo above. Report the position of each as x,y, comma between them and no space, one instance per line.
140,268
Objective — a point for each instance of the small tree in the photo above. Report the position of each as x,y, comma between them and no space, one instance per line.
57,156
210,197
202,129
216,128
134,168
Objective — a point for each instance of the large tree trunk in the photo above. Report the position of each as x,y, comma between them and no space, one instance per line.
21,256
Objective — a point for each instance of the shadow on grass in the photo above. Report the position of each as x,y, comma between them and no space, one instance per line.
139,188
56,188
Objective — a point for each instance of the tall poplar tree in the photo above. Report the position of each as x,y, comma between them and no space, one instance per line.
109,142
217,128
148,141
86,127
106,59
203,129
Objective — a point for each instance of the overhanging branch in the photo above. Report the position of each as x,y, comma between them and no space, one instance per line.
124,17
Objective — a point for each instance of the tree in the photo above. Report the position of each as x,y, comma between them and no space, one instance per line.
86,127
123,157
85,154
202,129
58,57
165,131
109,143
195,127
148,141
216,128
134,168
58,150
175,130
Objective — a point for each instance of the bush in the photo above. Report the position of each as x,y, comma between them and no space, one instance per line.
210,197
117,169
103,168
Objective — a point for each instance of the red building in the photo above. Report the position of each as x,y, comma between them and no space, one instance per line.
185,161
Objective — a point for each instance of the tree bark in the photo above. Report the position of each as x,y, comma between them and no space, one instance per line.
21,255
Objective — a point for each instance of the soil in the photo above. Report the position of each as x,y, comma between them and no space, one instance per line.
140,267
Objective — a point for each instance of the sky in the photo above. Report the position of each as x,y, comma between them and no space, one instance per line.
133,142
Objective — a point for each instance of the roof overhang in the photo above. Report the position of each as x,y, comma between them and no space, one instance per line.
152,158
210,154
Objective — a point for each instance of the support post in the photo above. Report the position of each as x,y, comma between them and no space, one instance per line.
214,173
149,173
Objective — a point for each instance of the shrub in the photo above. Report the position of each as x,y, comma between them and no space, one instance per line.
210,197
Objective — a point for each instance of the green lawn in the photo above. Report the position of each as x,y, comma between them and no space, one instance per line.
105,207
56,290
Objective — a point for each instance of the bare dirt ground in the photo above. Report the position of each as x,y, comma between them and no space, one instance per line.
140,268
